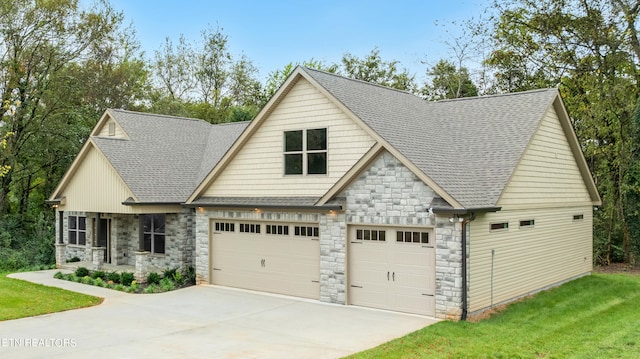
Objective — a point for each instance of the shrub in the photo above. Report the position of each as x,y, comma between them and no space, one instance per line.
152,289
99,282
98,274
190,275
126,278
87,280
169,273
82,272
119,287
153,278
134,286
59,275
73,260
178,278
113,277
167,284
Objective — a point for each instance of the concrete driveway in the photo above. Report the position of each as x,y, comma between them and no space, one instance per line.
199,322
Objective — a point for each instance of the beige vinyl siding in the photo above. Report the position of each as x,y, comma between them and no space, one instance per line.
555,249
547,174
257,169
96,187
104,130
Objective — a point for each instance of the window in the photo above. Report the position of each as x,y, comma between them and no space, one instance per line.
499,226
112,129
153,233
578,217
77,230
370,235
412,237
277,229
306,231
527,223
249,228
225,227
305,152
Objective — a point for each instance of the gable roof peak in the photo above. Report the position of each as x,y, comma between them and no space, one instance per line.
342,77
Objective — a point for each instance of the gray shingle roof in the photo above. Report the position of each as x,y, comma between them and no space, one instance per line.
469,147
166,157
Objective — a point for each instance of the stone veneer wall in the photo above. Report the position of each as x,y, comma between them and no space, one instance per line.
179,240
388,193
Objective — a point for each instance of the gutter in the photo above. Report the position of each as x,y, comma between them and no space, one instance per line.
464,266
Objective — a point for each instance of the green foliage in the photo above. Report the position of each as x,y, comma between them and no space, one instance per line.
153,278
98,281
167,284
588,49
87,280
178,278
190,275
58,275
98,274
375,70
82,272
449,82
169,272
120,287
126,278
153,288
113,277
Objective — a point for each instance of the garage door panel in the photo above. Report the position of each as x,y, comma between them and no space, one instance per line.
396,274
283,264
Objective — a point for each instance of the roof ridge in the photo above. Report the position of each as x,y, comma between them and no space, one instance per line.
359,81
149,114
496,95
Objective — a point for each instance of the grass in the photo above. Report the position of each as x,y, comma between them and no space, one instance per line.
20,299
592,317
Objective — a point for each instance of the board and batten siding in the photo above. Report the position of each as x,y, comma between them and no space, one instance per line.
547,174
526,259
96,187
258,168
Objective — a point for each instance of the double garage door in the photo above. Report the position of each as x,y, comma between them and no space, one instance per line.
271,257
388,268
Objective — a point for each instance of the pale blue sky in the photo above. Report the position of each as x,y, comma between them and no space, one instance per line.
274,33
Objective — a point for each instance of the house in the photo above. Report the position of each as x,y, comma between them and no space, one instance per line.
345,192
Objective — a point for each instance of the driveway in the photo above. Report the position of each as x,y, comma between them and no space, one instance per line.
199,322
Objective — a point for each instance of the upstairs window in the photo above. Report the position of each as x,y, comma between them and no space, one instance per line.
305,152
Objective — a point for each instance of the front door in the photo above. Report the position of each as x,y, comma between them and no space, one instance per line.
104,237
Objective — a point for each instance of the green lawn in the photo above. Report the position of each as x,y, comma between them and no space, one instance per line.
19,299
592,317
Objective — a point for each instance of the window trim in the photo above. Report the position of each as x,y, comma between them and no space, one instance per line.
305,152
77,230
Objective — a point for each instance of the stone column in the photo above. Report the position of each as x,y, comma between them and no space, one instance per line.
97,254
142,266
61,254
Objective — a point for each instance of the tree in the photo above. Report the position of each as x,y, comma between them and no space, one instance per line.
58,63
375,70
448,82
589,49
203,80
276,78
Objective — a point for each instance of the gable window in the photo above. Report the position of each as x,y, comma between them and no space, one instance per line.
305,152
153,233
77,230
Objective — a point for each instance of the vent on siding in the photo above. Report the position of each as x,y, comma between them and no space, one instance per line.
112,129
499,226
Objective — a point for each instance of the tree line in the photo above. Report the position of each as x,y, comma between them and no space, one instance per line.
62,65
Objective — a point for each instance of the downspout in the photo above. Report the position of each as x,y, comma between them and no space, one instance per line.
464,264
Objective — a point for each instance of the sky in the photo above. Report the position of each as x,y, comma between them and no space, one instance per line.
273,33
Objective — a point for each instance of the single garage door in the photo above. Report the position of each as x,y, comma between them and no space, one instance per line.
392,268
272,257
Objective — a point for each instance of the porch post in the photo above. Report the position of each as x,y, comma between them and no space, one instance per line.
142,266
97,254
61,254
